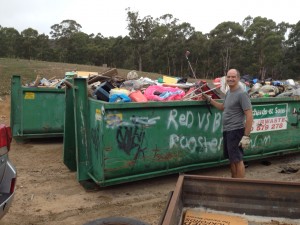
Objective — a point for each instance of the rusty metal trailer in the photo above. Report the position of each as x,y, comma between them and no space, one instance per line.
242,196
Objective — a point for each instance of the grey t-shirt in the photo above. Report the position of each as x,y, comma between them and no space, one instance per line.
235,103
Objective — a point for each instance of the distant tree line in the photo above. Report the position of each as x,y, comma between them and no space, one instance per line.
258,47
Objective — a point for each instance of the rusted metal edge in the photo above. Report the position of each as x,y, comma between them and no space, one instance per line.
245,196
174,202
166,208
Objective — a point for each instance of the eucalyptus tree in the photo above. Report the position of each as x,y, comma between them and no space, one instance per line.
293,52
266,39
114,50
102,52
225,41
9,39
65,29
157,54
179,35
281,68
170,43
78,48
161,44
29,39
139,32
99,49
294,36
198,45
121,52
62,33
43,48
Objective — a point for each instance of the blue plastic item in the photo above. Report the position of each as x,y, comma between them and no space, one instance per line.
119,98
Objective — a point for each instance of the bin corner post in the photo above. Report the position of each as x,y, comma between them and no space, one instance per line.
16,107
69,152
81,112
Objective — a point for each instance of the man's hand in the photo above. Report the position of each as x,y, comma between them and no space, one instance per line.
206,97
245,142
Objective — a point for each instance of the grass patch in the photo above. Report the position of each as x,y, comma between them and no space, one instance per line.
29,69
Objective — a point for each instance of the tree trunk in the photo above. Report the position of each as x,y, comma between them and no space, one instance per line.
226,61
140,63
169,67
262,68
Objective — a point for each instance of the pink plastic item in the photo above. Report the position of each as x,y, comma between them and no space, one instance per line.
160,93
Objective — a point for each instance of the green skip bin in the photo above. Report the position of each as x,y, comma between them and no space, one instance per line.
112,143
36,112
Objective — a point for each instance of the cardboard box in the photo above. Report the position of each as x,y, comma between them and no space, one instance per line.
193,217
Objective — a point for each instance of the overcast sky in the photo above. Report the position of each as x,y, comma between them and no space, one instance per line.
109,17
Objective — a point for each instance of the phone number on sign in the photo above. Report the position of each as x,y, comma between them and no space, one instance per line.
265,127
269,124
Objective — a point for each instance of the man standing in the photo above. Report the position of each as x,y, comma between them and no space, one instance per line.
237,122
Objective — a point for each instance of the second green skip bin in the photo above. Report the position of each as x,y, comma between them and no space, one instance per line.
113,143
36,112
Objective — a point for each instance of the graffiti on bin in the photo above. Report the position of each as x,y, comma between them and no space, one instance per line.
266,118
114,120
201,144
130,135
129,138
144,120
203,121
188,119
260,140
95,136
195,144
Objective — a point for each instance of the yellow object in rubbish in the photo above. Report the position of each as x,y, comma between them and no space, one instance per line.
85,74
119,91
170,80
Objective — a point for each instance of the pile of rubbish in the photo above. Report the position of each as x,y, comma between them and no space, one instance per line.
61,83
136,89
262,89
43,82
110,87
275,88
141,89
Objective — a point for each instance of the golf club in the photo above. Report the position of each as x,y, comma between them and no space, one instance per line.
186,56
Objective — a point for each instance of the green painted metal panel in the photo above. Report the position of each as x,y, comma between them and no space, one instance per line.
36,112
122,142
82,144
69,155
152,139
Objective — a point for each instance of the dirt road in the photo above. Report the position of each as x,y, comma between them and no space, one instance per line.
48,193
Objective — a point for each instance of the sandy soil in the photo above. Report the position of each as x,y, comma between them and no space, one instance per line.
48,193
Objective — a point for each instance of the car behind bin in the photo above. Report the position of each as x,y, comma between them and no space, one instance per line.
8,172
